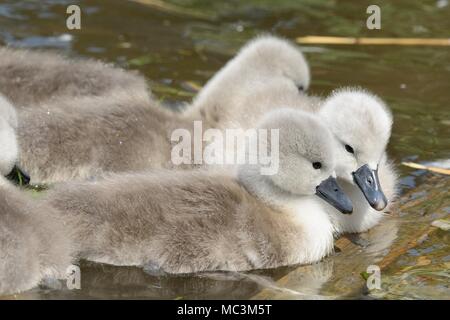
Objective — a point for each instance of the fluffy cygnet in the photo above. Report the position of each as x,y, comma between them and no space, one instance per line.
265,58
191,221
34,244
63,138
361,124
114,133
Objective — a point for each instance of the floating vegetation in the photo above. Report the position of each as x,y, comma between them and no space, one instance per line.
162,90
374,41
143,60
418,275
429,168
441,224
390,247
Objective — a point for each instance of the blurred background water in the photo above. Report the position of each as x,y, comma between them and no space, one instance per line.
179,44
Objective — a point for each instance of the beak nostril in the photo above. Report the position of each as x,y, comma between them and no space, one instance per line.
336,190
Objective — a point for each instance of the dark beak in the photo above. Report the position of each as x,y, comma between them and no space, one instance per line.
18,176
330,191
367,180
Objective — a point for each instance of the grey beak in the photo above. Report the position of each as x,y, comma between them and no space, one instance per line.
367,180
330,191
18,176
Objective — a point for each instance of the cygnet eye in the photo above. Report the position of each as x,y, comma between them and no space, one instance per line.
301,88
349,149
317,165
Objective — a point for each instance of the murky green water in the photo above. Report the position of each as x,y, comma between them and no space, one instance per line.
181,44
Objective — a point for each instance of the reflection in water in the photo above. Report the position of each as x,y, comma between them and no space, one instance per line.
338,276
382,237
179,47
307,283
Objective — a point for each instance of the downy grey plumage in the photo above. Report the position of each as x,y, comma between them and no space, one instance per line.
32,77
190,221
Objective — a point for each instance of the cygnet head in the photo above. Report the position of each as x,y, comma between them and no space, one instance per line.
361,124
275,57
9,149
306,161
263,59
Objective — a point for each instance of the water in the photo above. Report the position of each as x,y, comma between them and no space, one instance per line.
178,46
